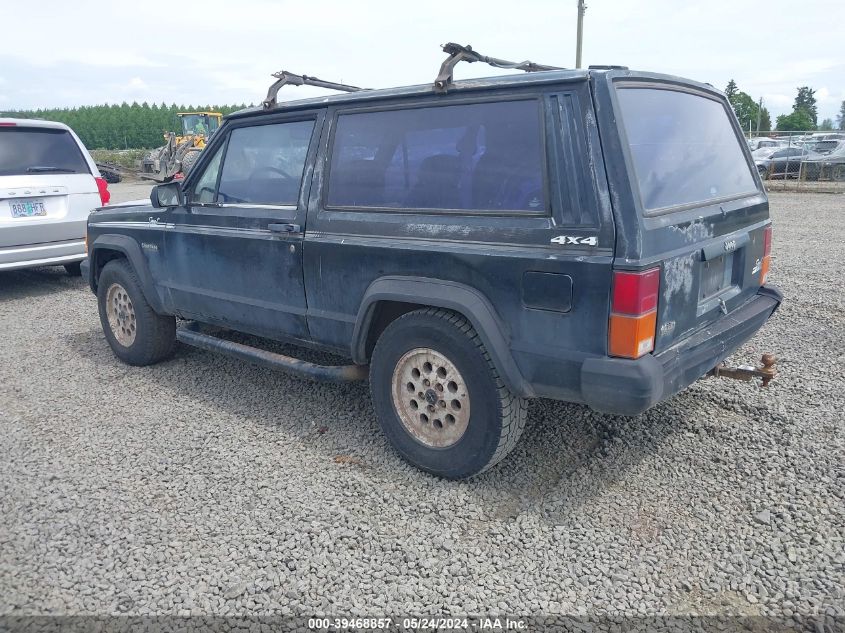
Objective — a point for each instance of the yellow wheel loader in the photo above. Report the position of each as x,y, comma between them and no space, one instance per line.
180,151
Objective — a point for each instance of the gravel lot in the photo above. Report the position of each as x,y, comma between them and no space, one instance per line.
205,485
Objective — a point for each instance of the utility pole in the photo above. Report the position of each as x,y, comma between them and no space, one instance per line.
759,113
581,8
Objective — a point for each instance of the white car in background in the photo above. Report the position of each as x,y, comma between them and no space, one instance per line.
48,186
761,142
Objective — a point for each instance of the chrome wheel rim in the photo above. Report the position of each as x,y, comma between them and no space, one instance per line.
431,398
121,315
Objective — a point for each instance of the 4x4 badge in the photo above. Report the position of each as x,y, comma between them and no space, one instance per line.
574,239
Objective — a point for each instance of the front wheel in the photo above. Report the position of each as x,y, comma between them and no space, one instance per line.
438,396
134,331
188,160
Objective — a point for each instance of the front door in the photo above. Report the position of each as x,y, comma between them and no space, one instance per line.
235,248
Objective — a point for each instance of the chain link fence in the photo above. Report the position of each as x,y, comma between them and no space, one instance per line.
812,161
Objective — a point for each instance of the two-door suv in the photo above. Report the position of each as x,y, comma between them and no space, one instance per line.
597,236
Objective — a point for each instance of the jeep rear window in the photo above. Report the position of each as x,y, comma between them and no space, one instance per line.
685,150
475,157
37,150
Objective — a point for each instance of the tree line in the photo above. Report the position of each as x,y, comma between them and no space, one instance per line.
142,125
804,115
121,126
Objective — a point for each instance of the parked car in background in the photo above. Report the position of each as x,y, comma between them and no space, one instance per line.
827,167
829,136
48,186
785,162
764,152
823,145
762,141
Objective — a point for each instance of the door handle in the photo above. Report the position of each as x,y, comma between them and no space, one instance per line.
284,228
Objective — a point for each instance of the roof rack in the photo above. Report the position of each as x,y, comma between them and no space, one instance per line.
458,53
285,78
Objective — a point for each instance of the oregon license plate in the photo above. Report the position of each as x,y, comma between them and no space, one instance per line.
27,208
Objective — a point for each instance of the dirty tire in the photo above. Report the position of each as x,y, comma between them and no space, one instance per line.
154,338
188,161
497,417
74,269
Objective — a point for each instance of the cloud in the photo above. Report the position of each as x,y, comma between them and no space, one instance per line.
136,83
778,101
103,56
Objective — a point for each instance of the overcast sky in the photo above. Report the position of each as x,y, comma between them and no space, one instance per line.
70,53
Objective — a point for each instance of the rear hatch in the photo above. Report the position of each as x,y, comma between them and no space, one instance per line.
47,189
695,205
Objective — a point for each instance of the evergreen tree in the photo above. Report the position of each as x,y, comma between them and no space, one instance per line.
765,120
744,106
806,100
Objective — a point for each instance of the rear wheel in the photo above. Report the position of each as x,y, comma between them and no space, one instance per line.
439,398
74,269
134,331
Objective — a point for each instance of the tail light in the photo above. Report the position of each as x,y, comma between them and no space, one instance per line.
633,313
767,253
103,188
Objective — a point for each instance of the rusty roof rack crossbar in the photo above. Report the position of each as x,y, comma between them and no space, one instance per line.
458,53
285,78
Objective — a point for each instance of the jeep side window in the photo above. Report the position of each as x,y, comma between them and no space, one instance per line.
204,189
476,157
264,163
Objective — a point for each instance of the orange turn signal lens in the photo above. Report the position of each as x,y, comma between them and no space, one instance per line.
764,268
631,336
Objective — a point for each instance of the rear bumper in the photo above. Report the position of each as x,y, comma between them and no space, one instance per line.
34,255
629,387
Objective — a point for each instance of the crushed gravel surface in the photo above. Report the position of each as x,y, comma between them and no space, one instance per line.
206,485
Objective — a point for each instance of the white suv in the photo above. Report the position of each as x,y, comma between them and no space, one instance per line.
48,186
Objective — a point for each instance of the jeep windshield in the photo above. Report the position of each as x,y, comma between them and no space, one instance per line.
684,149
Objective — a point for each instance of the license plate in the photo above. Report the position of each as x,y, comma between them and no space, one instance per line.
716,275
27,208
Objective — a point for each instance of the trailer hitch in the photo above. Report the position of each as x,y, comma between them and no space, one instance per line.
748,373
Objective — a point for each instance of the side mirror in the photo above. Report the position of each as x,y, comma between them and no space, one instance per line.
167,195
